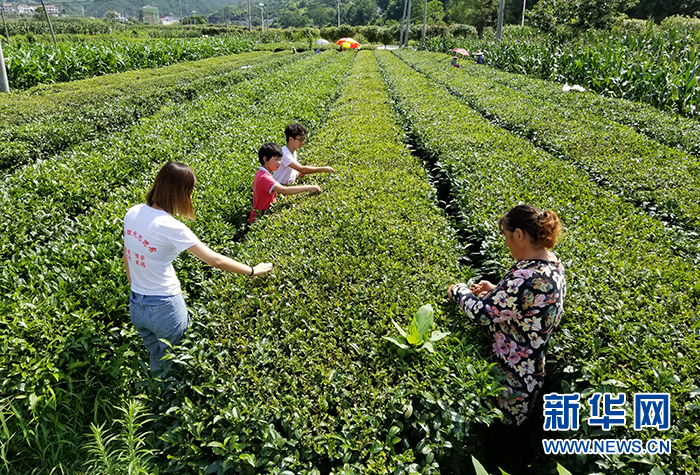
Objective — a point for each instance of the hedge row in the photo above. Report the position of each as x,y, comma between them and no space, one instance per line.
630,322
669,129
75,181
69,350
659,178
31,64
290,373
40,123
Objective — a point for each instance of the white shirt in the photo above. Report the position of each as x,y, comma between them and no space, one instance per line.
152,241
286,175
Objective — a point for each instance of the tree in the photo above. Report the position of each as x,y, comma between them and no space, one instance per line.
362,12
478,13
561,16
322,16
194,20
293,19
436,11
392,11
660,9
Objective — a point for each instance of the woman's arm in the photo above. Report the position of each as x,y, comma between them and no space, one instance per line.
222,262
481,310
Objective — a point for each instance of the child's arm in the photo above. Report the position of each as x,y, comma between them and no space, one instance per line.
307,170
293,190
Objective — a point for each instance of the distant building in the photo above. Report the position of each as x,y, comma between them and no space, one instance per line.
150,15
116,16
169,19
26,9
52,9
8,8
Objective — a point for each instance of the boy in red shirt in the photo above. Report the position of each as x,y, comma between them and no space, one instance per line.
265,187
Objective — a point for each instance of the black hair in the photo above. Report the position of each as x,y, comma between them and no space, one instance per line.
292,130
267,151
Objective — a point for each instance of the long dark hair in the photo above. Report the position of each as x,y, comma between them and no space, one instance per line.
544,227
172,189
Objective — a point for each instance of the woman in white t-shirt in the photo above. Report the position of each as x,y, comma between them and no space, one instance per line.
153,238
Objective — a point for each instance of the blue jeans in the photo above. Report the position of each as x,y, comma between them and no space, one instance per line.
159,317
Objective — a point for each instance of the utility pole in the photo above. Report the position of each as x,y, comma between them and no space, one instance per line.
499,27
250,27
408,20
425,19
180,3
4,85
48,20
403,23
522,23
7,35
338,13
262,18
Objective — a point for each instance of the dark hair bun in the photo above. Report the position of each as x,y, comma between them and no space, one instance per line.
544,228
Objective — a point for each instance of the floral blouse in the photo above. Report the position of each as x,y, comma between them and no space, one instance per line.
521,312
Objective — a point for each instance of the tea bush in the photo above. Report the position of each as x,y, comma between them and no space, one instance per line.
291,373
50,119
664,127
629,323
613,154
69,351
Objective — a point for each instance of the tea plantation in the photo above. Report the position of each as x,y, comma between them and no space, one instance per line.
290,373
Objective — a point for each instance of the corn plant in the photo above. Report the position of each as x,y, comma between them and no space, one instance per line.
658,68
31,64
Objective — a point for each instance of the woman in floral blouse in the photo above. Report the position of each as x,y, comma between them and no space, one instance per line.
523,310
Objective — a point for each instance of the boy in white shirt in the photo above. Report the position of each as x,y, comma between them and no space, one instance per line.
290,169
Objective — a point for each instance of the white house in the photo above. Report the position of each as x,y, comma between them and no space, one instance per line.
169,19
8,8
52,9
26,9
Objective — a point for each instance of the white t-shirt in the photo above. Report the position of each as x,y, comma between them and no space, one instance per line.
286,175
152,241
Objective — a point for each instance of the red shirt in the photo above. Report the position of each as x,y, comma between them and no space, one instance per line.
263,196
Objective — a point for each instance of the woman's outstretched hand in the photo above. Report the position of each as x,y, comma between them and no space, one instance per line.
262,268
481,288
